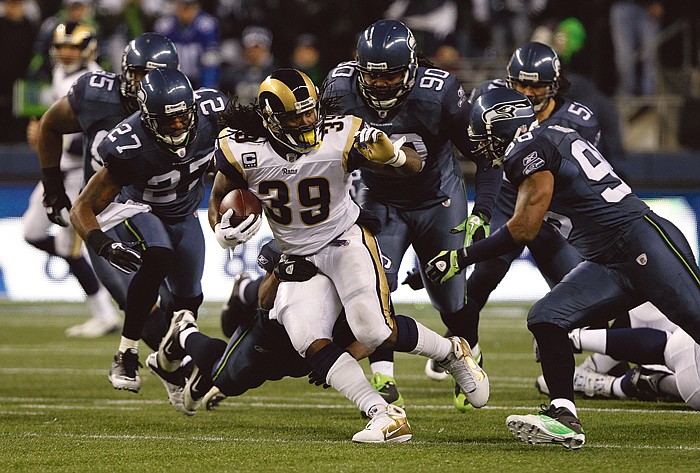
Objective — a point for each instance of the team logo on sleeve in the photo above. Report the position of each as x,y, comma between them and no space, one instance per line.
532,163
250,160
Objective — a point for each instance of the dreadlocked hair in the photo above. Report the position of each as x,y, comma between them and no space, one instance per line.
330,103
243,118
247,124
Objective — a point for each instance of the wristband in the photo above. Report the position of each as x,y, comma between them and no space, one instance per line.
398,160
500,242
98,240
52,178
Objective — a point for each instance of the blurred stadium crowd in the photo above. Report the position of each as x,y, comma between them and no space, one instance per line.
233,44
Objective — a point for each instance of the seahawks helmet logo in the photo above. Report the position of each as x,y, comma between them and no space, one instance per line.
507,111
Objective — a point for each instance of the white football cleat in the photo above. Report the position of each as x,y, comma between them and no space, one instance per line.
467,373
386,426
94,328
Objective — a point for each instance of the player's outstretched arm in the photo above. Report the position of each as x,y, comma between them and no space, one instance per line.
58,120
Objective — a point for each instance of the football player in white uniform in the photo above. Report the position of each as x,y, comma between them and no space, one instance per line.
298,160
73,52
669,360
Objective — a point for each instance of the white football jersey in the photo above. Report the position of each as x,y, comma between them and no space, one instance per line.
307,201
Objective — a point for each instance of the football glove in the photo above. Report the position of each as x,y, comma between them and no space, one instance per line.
476,227
374,145
119,255
295,269
414,280
442,267
56,202
230,237
317,380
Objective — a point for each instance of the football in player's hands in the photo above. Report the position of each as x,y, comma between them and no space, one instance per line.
243,203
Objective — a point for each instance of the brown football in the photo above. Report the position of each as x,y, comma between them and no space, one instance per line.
243,202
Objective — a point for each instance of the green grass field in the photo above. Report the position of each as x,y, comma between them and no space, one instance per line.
58,412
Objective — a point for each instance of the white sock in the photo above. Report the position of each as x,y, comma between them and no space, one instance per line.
385,368
241,289
127,343
346,377
617,388
476,351
431,344
561,402
593,340
101,306
603,363
186,333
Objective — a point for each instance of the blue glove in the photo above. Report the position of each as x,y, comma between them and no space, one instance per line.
476,227
443,267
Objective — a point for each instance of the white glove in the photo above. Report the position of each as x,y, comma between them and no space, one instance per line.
374,145
229,237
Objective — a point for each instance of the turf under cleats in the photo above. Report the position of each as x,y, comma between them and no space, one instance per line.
124,373
170,352
385,426
552,425
471,379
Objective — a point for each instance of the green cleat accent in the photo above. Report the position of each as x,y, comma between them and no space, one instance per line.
386,386
551,425
460,400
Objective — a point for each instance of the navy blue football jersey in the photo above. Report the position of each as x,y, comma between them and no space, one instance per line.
591,206
432,114
98,107
152,173
566,113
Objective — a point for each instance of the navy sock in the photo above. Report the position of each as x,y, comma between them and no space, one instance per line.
557,359
637,345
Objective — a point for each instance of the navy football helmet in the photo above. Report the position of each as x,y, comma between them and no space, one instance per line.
168,106
497,118
283,96
536,65
386,49
145,53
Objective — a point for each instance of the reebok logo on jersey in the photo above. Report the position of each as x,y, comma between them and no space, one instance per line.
642,259
262,261
250,160
532,163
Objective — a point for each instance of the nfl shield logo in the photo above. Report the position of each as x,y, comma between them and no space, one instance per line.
642,259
